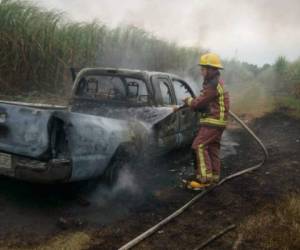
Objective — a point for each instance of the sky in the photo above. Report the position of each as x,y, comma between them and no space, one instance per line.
255,31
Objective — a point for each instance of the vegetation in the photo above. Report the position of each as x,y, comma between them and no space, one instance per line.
277,227
37,47
257,90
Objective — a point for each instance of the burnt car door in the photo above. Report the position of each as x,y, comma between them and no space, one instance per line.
166,130
188,119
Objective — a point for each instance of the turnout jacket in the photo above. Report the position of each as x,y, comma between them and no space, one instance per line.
213,103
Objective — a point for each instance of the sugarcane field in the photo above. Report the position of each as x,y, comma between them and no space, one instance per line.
149,124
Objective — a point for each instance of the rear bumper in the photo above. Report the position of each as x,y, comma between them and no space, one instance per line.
22,168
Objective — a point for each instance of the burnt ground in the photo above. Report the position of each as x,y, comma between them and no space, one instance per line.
94,216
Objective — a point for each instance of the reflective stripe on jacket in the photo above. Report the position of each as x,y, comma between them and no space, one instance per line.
215,103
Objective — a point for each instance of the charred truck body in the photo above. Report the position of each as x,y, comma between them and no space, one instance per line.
112,112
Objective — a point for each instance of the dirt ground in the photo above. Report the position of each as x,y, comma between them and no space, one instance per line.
94,216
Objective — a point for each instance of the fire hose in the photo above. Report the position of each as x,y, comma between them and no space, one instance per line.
155,228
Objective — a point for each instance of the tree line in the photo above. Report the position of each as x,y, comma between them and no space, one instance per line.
38,46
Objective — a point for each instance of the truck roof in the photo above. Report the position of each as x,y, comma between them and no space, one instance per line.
120,71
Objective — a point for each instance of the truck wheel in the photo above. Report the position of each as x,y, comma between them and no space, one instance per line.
112,173
117,163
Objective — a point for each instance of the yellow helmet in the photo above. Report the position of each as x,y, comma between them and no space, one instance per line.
211,59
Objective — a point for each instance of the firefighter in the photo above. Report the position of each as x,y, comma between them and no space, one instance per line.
213,105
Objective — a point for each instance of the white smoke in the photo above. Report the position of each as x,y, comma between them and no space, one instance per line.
254,31
127,182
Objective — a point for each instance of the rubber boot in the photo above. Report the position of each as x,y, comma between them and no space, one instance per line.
195,185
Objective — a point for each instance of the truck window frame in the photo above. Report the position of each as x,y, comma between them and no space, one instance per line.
155,80
186,86
75,96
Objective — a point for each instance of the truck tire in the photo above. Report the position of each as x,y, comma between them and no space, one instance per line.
121,158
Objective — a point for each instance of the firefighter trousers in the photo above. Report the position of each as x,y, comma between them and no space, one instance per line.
206,146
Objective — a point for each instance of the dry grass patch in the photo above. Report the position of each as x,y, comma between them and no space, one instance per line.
277,227
64,241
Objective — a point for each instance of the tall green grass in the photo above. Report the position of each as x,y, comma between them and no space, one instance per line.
38,46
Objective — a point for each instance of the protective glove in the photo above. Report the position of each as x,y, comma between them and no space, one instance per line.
187,101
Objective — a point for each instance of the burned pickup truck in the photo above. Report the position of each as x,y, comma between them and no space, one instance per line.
112,112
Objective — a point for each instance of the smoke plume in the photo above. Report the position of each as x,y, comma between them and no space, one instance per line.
253,31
